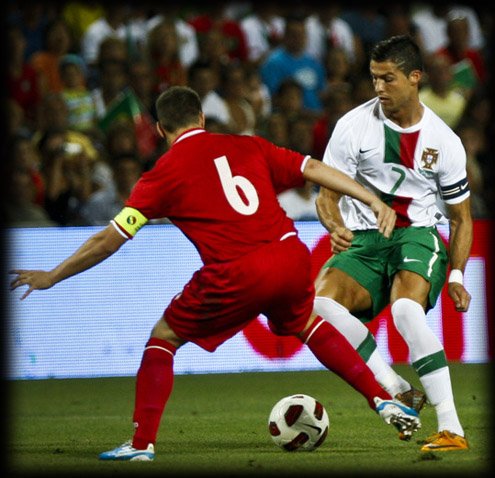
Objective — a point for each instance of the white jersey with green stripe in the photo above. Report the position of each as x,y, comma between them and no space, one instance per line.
414,170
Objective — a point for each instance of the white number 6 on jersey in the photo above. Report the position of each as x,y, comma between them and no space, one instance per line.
231,183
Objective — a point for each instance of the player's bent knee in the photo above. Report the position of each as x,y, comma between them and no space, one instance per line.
342,288
162,330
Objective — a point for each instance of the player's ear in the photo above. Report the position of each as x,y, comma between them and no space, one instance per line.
415,77
159,128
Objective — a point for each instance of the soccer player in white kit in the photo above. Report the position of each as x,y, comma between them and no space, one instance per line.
398,148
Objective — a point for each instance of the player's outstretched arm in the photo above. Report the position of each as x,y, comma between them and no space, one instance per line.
96,249
332,178
327,207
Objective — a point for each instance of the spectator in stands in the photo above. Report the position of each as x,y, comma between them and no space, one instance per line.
229,29
291,61
234,92
112,24
301,133
288,98
300,203
337,102
399,22
362,89
369,27
121,140
439,94
472,138
22,80
31,18
112,48
186,34
459,52
79,100
141,82
327,30
53,116
338,69
263,29
19,205
57,43
23,156
204,79
104,205
114,77
276,129
431,21
79,16
68,173
15,124
258,95
164,57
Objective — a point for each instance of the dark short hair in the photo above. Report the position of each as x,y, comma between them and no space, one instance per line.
401,50
178,107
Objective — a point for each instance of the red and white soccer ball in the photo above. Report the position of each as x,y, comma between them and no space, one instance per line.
298,423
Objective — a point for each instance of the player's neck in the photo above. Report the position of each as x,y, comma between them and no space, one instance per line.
408,115
171,137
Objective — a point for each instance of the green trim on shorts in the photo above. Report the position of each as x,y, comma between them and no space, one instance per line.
430,363
372,260
367,347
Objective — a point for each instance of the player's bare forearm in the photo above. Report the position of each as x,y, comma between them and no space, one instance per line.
339,182
461,234
460,241
327,207
95,250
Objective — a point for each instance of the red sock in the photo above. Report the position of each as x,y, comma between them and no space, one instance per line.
154,384
333,350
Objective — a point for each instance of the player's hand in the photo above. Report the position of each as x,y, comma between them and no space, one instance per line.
460,296
341,239
34,279
385,217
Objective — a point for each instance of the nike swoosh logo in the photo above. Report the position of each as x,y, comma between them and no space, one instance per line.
362,151
436,447
407,259
464,186
424,365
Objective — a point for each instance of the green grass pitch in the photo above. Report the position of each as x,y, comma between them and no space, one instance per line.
217,425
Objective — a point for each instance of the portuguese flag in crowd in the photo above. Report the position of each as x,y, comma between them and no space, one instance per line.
128,106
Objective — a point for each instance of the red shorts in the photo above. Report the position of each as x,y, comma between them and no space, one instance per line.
221,299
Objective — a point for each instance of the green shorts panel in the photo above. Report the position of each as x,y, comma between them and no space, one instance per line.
373,261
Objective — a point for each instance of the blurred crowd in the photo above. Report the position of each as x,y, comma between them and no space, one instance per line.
82,78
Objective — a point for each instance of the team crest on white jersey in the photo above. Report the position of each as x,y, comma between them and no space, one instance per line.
429,158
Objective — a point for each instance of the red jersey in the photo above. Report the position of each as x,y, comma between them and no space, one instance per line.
220,191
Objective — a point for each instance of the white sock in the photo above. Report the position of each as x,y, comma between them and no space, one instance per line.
439,390
359,336
386,376
428,359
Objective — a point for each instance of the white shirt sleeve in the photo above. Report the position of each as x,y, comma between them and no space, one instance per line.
452,175
339,151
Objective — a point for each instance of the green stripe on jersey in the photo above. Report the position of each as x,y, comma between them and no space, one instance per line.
392,146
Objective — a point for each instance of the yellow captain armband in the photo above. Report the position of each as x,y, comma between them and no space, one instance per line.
129,221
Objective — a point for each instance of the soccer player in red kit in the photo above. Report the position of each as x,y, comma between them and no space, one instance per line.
221,192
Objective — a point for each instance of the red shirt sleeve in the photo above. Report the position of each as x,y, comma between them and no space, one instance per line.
286,166
149,196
